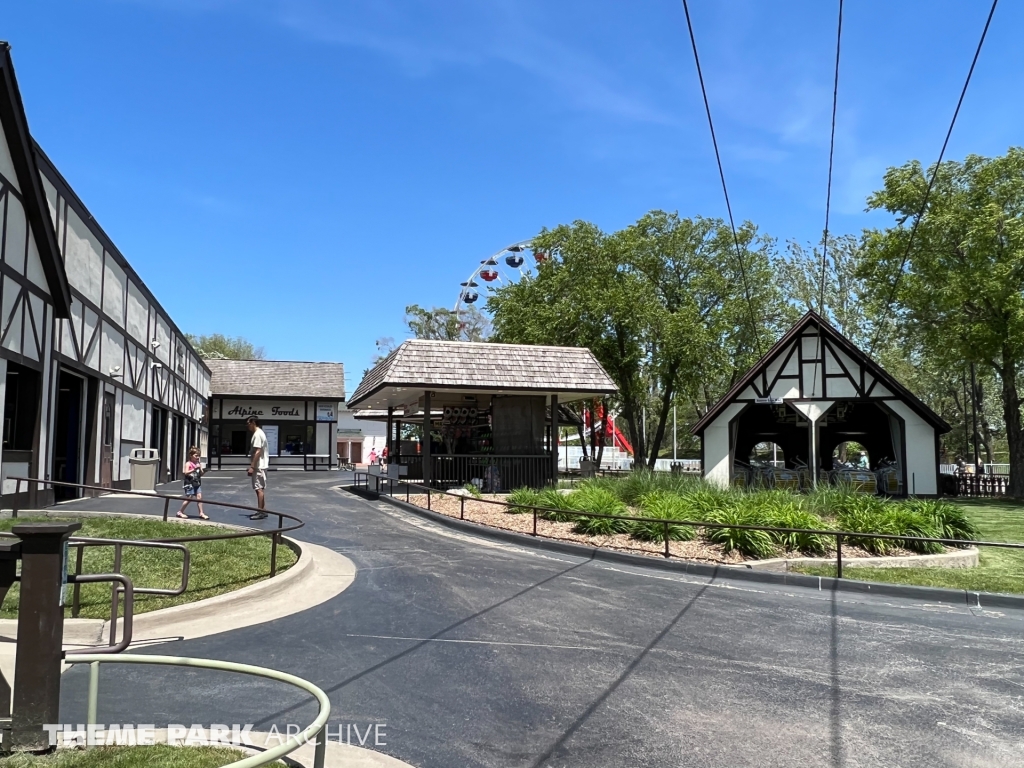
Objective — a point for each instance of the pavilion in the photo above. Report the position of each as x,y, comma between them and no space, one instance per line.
492,411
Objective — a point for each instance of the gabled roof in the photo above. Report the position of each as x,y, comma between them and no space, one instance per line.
276,378
19,140
482,366
813,319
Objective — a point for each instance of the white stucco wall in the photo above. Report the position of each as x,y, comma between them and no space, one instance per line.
717,460
922,464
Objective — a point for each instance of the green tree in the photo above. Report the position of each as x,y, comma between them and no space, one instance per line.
661,304
468,324
217,346
959,290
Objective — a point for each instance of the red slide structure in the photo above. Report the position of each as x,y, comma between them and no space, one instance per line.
618,439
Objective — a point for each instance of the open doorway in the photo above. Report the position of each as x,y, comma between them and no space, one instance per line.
107,441
68,459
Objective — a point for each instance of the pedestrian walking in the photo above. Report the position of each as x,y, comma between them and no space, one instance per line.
192,481
258,465
384,456
373,456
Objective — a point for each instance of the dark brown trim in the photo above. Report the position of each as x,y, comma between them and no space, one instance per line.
490,390
847,347
19,140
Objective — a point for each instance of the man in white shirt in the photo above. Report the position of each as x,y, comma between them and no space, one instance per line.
258,465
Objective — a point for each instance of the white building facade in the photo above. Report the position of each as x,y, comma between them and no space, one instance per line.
90,364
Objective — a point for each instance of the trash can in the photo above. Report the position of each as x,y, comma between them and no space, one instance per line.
143,463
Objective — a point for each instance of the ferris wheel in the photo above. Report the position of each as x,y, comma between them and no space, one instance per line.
505,266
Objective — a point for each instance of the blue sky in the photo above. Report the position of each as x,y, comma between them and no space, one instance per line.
298,172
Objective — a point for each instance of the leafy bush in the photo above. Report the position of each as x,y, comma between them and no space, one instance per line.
784,511
560,508
949,520
593,498
659,504
745,541
874,515
522,499
473,490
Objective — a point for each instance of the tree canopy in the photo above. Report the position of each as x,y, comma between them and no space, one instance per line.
957,290
217,346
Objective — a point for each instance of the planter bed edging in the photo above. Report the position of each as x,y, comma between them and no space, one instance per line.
739,572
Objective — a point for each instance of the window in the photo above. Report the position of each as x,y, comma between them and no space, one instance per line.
20,405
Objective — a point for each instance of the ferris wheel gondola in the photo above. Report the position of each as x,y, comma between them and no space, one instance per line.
505,266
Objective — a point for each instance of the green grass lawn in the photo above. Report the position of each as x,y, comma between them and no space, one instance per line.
156,756
999,570
216,566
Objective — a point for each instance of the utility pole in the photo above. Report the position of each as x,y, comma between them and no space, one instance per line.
675,434
974,416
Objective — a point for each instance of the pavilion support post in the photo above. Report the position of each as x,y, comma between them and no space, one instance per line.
389,440
554,440
425,453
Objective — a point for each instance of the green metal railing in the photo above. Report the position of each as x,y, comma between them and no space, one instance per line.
315,731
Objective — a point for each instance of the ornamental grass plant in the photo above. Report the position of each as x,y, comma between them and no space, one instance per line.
663,497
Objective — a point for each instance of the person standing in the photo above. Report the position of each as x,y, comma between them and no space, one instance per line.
193,482
258,465
372,457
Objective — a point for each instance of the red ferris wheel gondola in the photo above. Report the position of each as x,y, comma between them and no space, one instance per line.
540,256
488,275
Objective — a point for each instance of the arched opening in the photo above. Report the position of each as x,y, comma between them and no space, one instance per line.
851,455
768,453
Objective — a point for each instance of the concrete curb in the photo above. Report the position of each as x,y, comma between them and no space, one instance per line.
968,598
317,575
958,558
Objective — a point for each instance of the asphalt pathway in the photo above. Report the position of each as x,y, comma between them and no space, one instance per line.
474,653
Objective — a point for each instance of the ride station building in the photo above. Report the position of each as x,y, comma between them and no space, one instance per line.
812,392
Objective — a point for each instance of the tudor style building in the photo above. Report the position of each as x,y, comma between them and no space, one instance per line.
813,391
90,364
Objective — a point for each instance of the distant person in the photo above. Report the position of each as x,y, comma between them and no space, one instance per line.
961,465
373,456
192,482
258,466
863,462
384,456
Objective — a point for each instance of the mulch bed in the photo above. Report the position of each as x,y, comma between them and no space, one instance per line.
496,516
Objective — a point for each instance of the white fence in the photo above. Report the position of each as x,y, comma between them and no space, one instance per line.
615,459
989,469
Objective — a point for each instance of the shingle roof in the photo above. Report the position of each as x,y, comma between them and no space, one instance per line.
485,366
276,378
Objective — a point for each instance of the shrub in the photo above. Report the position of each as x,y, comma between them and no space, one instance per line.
747,542
522,499
949,520
659,504
560,507
873,515
473,490
785,512
593,498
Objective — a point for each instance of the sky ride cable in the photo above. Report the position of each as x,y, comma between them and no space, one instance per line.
721,175
828,208
931,183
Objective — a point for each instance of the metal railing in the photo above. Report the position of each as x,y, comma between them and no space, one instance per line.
495,473
839,535
315,731
274,533
982,485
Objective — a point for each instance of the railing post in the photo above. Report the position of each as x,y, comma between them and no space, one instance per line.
320,752
534,520
14,504
167,501
407,491
666,539
115,596
462,507
428,497
77,591
94,695
839,555
273,554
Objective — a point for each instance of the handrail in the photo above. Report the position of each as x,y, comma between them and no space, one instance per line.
274,533
314,730
129,611
668,521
